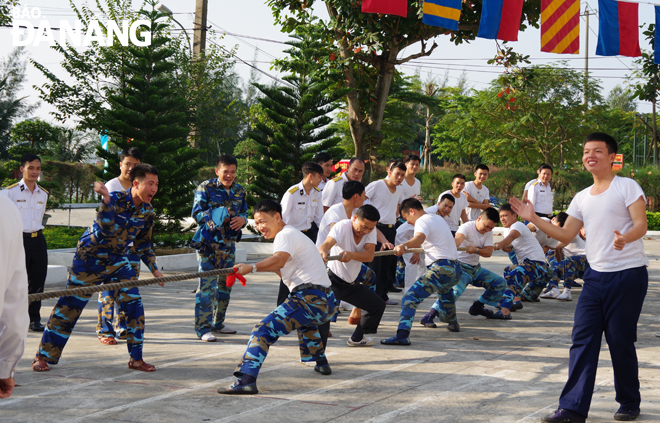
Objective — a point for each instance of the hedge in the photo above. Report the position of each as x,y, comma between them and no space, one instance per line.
64,237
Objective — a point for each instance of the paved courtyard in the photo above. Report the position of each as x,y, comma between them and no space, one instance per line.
491,371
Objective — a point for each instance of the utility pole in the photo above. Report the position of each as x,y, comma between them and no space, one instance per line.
199,43
587,11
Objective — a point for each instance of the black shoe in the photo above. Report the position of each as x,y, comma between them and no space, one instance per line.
516,306
576,284
478,309
453,327
36,327
564,416
325,370
625,415
237,389
394,289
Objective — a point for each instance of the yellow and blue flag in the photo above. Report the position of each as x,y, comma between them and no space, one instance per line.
442,13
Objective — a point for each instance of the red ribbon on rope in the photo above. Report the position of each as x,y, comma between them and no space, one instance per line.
231,279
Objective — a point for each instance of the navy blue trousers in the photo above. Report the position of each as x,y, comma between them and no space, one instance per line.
609,303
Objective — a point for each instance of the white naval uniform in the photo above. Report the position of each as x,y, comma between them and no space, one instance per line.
540,196
31,205
299,209
332,192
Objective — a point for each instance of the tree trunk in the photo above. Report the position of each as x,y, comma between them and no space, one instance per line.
427,141
655,135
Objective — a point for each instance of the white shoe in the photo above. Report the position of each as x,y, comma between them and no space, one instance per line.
565,296
552,294
308,363
365,342
344,306
657,334
208,337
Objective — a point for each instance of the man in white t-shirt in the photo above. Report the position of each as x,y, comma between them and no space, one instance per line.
477,194
112,324
324,160
386,195
460,202
354,196
332,190
567,261
613,212
529,273
444,270
411,186
477,238
311,301
355,241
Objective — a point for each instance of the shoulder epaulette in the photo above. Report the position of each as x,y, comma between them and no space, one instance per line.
317,188
43,189
535,183
12,185
336,178
293,190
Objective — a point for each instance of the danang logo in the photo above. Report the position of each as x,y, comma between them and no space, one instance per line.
25,34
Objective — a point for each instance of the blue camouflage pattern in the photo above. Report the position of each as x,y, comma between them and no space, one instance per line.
494,285
212,295
400,278
568,269
440,278
526,280
110,321
302,311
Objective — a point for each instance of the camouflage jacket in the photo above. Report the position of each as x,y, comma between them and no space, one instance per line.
214,236
117,224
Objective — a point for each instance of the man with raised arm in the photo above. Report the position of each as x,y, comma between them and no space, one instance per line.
613,212
310,303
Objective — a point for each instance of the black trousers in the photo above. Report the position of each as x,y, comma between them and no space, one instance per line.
361,297
385,266
283,293
36,263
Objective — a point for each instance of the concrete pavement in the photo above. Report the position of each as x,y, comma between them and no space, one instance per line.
491,371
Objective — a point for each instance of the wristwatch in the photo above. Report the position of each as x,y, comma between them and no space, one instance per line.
254,268
477,250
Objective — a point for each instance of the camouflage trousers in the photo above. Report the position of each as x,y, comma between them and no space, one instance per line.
568,269
494,285
440,278
212,297
111,321
302,311
400,278
526,279
87,271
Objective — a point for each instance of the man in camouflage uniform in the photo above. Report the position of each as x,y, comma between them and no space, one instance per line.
220,211
102,256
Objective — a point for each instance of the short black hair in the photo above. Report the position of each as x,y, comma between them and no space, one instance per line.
322,157
351,188
545,166
140,171
411,203
491,214
267,206
610,142
130,152
561,218
390,163
482,167
355,159
398,165
447,197
368,212
226,160
311,167
410,157
458,175
29,157
507,207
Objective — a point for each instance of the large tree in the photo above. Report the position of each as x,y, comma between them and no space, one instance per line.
12,107
368,48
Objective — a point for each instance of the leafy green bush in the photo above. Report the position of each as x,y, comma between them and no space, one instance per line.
649,179
653,220
63,237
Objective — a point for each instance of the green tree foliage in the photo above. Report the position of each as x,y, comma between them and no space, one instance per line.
12,107
368,48
5,11
297,119
149,113
621,98
648,74
528,117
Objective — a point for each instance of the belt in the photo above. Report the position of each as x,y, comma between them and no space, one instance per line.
543,215
383,225
31,234
305,286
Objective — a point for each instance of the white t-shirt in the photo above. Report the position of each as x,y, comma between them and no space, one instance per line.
525,246
577,247
460,204
410,190
439,242
540,196
114,185
333,215
305,264
604,213
543,238
475,239
384,200
478,194
342,232
332,192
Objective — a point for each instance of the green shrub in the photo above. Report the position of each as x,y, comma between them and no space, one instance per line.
653,220
63,237
649,179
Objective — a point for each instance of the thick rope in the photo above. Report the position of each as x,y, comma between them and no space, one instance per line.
85,290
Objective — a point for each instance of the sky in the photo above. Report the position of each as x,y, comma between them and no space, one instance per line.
253,18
